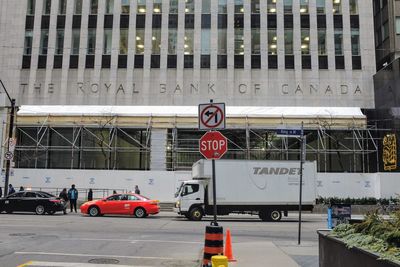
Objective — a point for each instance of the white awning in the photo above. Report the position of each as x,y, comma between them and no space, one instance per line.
192,111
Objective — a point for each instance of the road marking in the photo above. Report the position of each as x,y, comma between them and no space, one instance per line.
68,264
131,241
24,264
88,255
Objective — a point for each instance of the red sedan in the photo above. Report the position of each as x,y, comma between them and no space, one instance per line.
127,204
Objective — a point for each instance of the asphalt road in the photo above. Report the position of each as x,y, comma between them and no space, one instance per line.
161,240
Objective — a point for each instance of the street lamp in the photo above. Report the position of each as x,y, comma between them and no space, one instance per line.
10,135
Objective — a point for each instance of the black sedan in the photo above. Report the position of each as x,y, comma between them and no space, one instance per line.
32,201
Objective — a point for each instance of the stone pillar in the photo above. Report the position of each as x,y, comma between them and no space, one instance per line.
158,159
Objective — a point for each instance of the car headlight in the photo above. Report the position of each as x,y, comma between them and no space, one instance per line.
177,204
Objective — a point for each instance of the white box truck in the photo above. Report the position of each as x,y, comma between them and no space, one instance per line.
266,188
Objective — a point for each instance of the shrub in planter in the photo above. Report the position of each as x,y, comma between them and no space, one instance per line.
374,234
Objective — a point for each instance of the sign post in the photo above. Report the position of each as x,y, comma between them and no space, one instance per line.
212,145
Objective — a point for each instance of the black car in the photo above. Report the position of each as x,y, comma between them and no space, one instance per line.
32,201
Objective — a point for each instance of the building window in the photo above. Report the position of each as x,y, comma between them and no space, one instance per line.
288,42
397,25
157,6
172,39
125,6
305,41
222,41
188,45
44,42
141,6
31,7
110,6
206,7
189,6
94,6
287,6
59,42
337,6
255,41
355,42
272,42
139,41
28,42
62,7
173,6
91,42
353,7
75,41
321,42
303,6
271,6
78,7
338,42
156,42
239,42
239,6
255,6
46,7
205,41
222,7
321,6
123,41
385,31
107,42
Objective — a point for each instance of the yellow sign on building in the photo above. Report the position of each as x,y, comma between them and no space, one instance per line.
389,152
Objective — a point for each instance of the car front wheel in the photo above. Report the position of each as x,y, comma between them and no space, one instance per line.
94,211
39,210
140,213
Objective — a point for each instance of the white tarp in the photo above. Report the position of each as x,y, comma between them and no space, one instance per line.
192,111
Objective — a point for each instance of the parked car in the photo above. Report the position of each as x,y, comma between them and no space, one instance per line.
128,204
32,201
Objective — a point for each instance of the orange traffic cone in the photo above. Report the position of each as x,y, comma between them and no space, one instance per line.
228,247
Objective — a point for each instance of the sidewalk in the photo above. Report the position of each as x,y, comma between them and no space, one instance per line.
260,254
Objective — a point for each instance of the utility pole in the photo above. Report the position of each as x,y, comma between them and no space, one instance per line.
10,135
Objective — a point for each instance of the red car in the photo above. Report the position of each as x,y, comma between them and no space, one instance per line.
127,204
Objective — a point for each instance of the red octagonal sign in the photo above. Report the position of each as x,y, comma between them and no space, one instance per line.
213,145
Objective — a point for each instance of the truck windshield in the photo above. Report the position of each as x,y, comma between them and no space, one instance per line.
179,190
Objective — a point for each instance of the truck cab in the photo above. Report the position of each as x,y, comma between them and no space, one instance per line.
189,199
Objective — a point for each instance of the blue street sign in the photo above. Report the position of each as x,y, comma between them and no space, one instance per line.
288,132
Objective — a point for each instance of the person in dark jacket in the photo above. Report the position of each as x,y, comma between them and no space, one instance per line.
11,189
90,195
137,190
1,192
73,197
64,196
21,188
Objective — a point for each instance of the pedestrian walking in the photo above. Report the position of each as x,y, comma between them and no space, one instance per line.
114,192
137,190
64,196
1,192
73,197
21,188
90,195
11,189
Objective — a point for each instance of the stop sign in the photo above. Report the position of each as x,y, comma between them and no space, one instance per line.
213,145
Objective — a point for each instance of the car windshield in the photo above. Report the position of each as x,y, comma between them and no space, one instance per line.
143,197
179,190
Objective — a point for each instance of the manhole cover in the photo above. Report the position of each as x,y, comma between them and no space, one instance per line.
22,234
104,261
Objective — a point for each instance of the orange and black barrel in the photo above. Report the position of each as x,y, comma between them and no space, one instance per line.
214,243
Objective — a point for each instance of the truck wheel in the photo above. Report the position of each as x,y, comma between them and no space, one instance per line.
196,214
275,216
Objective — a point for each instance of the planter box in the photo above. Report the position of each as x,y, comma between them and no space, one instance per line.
355,209
334,253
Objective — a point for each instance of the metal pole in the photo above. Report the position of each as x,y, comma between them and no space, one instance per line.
10,135
215,223
301,179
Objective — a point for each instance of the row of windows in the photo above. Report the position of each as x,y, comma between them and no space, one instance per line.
190,6
188,62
